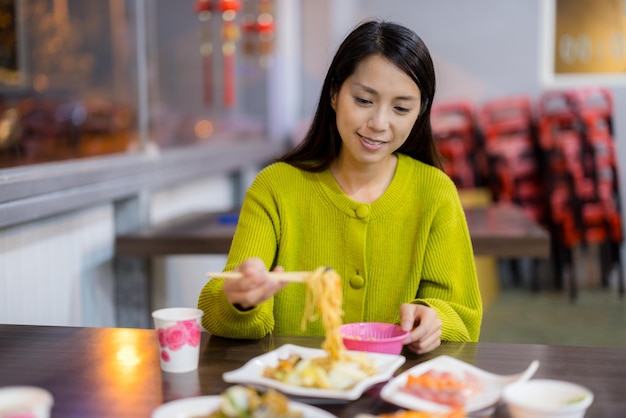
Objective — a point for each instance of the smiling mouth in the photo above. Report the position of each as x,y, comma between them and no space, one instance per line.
371,141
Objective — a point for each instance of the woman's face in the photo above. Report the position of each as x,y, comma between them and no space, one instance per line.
376,109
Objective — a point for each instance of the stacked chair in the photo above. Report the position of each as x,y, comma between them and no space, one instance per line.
454,131
576,140
514,164
557,162
514,161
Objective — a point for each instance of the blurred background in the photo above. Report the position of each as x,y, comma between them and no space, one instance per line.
114,115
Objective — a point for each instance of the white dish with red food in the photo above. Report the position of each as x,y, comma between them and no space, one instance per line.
455,384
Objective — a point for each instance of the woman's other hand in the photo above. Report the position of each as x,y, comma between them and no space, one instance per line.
254,287
425,327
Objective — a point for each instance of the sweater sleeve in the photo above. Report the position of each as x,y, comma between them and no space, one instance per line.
256,236
449,283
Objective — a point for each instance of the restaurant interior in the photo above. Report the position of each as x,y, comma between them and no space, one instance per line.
96,89
131,129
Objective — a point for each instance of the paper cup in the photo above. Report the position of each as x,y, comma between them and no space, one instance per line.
25,402
178,336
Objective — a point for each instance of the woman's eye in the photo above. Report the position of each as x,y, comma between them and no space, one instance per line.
361,100
401,109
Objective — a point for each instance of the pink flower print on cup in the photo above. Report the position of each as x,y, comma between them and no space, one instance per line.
183,332
178,335
161,337
193,332
175,336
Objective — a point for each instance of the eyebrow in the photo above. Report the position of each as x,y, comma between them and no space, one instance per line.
372,91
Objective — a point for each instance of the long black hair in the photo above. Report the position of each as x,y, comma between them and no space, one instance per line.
401,46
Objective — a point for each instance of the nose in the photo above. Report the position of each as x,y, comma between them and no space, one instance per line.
379,120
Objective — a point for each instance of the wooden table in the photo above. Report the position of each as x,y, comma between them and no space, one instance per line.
502,230
505,230
114,372
194,233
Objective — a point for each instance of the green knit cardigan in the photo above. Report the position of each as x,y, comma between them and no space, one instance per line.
410,246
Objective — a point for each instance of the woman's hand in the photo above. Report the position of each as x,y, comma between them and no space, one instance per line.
425,327
254,287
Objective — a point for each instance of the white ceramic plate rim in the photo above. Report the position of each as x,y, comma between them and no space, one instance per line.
184,408
251,373
494,385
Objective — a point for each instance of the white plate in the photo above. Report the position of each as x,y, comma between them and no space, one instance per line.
202,405
493,385
251,373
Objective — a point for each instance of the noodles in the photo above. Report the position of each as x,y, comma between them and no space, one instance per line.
338,370
324,297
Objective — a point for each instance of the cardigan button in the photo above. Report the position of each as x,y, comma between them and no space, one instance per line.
362,211
357,282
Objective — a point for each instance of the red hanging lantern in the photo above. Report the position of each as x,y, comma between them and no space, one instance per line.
230,6
203,6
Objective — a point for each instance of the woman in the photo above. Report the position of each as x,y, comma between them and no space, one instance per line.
364,194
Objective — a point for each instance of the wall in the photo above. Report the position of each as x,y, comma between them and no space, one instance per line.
57,271
482,50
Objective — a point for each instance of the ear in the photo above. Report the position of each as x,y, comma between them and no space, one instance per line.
333,101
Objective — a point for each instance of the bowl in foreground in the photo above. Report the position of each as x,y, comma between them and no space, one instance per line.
377,337
546,398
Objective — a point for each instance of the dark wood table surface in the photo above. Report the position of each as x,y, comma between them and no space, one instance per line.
501,230
115,372
505,230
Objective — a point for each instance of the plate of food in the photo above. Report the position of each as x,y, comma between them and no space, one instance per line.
445,384
239,400
312,373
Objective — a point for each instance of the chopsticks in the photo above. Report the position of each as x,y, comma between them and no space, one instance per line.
281,276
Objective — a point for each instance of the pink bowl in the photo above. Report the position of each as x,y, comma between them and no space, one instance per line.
377,337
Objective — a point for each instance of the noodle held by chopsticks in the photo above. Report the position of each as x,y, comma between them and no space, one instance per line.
338,369
324,298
